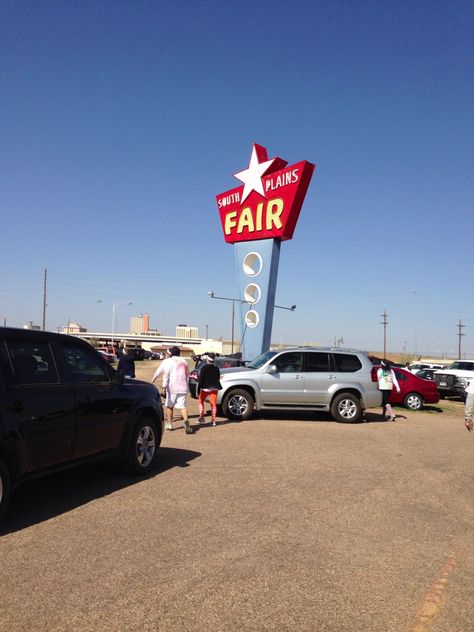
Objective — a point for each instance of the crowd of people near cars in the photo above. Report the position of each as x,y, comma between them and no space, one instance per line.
175,376
106,412
411,385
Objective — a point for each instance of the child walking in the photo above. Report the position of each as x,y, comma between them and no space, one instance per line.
208,385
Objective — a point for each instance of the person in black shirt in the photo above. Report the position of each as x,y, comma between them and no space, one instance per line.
127,364
208,385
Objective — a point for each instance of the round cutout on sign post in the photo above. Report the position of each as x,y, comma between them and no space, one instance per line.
252,318
252,264
252,293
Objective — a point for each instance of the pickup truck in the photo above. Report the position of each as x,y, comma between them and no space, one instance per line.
454,379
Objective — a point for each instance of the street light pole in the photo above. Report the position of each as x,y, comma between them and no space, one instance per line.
238,300
414,321
384,323
225,298
114,309
233,325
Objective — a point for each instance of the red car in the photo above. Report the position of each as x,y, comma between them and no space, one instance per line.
415,391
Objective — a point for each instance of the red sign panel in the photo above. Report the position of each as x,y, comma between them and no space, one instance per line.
269,203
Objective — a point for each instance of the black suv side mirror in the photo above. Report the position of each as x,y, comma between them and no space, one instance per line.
119,377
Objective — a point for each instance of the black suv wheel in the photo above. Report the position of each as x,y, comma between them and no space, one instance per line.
143,449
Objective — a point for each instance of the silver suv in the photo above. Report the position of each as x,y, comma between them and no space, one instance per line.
341,381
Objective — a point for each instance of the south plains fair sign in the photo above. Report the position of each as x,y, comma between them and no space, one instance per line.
257,216
269,203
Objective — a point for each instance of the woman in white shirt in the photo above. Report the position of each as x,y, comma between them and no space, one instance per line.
387,380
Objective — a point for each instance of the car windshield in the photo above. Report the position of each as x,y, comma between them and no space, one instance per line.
462,366
261,359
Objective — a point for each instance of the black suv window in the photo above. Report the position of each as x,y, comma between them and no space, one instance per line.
83,364
316,362
289,363
32,362
347,362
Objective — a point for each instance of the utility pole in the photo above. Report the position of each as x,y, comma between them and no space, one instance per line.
460,335
384,323
414,321
44,299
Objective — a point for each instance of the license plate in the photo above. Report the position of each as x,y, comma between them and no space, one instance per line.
442,384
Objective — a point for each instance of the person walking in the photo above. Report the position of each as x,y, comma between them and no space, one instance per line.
208,385
387,380
468,406
126,364
174,370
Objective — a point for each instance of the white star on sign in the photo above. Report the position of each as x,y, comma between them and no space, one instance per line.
252,177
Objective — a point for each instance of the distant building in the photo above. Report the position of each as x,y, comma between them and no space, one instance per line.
30,325
183,331
140,324
73,328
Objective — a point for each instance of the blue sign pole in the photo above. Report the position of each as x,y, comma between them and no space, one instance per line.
257,272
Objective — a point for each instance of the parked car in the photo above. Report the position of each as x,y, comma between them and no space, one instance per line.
108,353
415,391
108,357
426,374
62,404
223,362
137,352
418,366
454,379
304,378
151,355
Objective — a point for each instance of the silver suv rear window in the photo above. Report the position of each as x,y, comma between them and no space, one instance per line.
347,362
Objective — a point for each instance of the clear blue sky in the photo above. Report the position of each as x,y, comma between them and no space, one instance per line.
121,121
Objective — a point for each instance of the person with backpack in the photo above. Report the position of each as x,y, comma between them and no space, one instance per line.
208,385
387,380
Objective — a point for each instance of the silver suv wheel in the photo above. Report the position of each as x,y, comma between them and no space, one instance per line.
346,407
238,404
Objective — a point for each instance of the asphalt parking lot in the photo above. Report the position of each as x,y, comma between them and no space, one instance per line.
282,524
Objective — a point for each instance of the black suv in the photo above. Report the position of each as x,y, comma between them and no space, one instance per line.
62,404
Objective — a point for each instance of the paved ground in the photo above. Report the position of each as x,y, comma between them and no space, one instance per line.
275,524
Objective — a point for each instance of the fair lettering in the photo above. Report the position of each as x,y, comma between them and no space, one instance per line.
268,215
